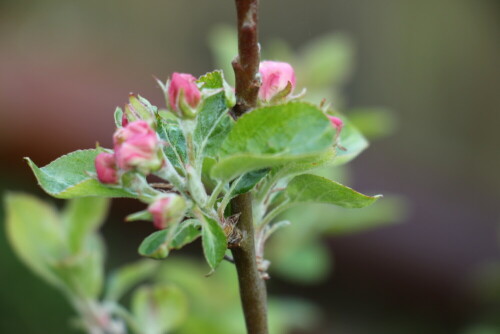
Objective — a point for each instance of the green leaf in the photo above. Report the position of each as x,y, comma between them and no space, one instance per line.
158,246
83,216
248,181
214,242
213,120
212,80
36,233
310,188
128,276
71,176
352,140
171,133
272,136
159,309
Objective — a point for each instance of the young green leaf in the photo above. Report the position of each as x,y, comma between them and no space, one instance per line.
159,309
171,133
214,242
157,244
125,278
83,216
310,188
272,136
214,122
70,176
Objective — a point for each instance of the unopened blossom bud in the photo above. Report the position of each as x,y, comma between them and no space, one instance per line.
124,120
137,147
337,123
105,167
278,80
183,94
167,210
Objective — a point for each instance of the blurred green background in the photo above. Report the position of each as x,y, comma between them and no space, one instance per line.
65,66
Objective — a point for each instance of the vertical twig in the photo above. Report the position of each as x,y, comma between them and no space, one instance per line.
246,66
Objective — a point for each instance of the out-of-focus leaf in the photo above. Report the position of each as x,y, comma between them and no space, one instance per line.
70,176
303,263
83,273
224,44
157,245
36,233
159,309
128,276
287,313
83,216
327,60
272,136
373,122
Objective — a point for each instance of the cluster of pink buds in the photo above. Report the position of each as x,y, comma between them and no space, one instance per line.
278,80
136,147
167,210
183,94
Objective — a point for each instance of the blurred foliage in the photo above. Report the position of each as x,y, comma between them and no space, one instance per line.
324,66
168,291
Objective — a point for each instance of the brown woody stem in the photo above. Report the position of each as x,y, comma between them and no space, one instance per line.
246,66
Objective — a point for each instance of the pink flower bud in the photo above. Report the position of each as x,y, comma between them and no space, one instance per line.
167,210
183,84
105,167
275,78
136,146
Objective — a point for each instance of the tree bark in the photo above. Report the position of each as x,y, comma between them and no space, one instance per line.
246,66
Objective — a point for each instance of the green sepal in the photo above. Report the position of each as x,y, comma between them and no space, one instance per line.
118,115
